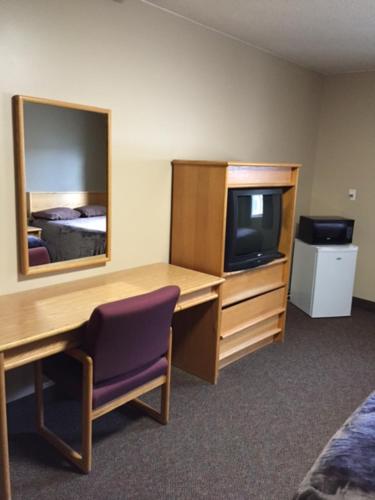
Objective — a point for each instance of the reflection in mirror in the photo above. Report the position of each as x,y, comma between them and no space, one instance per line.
62,159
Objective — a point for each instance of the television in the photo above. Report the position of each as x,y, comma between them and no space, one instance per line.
254,219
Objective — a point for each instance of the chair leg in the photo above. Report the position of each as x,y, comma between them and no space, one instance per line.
166,389
38,377
81,460
163,416
87,420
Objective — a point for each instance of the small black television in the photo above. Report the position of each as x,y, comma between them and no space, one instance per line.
254,219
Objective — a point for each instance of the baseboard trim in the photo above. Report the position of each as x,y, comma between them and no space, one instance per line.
365,304
26,391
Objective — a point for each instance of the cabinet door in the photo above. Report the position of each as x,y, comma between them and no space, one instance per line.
334,281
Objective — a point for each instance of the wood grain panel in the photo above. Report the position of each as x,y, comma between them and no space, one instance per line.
41,313
41,349
19,161
252,282
239,316
196,340
198,297
287,236
249,335
247,176
94,260
198,217
5,492
278,312
238,354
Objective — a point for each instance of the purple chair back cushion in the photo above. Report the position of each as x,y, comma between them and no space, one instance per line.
129,334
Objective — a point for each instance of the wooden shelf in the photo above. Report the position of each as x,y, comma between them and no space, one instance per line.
265,266
256,281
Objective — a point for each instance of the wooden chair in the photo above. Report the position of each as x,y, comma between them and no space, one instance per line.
126,353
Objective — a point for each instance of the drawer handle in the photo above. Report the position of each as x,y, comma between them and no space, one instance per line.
338,258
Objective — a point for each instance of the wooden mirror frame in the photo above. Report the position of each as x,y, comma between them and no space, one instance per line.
18,102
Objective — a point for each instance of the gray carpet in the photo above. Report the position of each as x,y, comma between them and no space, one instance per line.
253,436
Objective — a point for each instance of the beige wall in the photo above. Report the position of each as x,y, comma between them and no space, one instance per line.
345,158
176,90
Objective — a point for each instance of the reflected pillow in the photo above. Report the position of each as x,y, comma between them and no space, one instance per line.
34,242
58,213
92,210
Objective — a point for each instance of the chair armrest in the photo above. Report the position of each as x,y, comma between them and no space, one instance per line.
87,385
80,356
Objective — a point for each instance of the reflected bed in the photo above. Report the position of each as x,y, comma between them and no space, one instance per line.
73,239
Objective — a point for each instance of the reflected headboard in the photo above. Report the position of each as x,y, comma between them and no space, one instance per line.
36,201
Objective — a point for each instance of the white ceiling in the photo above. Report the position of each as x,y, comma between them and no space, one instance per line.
329,36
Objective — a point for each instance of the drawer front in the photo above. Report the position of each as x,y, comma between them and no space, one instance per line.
261,330
247,284
242,315
250,176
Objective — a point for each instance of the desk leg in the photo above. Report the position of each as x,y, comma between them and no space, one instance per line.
4,451
196,340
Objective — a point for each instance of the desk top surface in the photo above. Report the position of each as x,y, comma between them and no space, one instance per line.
29,316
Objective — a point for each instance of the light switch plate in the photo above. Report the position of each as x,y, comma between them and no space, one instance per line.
352,194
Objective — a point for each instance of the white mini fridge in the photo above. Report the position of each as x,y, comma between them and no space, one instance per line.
323,278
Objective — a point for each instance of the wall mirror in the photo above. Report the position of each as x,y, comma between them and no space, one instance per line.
62,159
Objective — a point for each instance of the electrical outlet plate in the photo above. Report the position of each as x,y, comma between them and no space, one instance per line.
352,193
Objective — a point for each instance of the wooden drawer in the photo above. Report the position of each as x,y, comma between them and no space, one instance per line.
228,357
261,176
245,314
240,286
250,335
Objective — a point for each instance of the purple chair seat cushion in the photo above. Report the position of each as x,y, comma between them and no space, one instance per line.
66,372
38,256
116,387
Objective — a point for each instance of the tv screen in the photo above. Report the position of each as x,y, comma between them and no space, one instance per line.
253,227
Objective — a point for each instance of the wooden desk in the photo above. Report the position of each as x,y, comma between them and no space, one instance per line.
38,323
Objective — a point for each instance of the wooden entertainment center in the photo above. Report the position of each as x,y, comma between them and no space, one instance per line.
253,301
